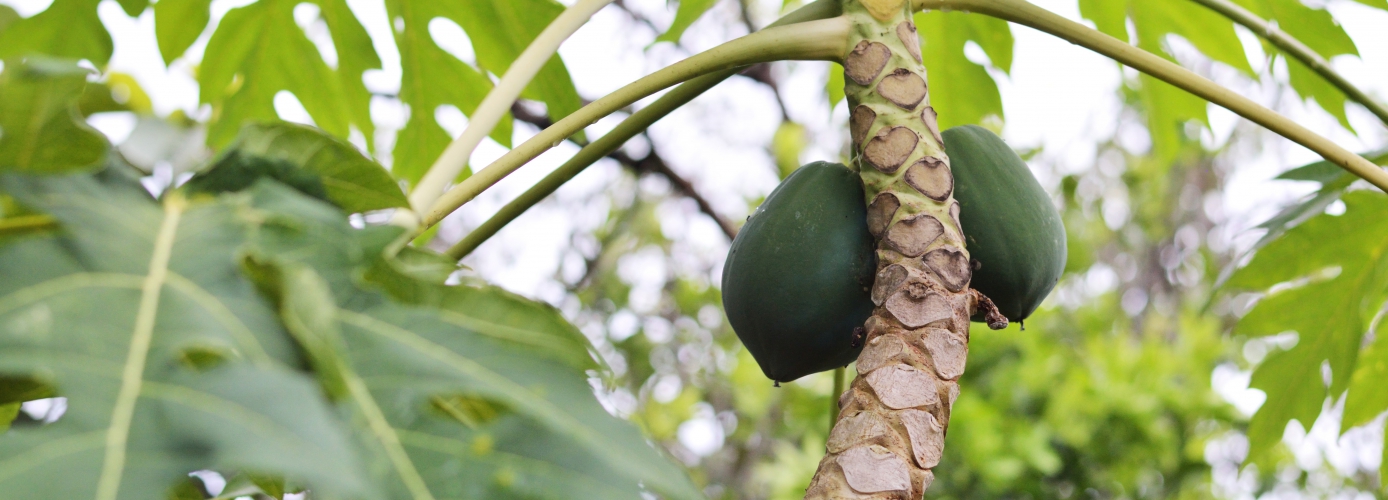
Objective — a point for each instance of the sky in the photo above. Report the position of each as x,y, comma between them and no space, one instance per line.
1058,96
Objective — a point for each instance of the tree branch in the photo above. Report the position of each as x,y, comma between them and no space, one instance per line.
651,163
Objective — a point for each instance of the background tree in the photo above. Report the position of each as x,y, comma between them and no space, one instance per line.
1114,390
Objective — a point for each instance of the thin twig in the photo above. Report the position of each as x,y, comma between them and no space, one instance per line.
651,163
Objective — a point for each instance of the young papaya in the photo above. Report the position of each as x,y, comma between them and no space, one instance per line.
797,279
1011,229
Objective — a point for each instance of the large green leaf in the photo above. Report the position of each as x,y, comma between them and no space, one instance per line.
42,129
68,29
962,91
1339,267
432,78
355,56
179,23
352,181
689,11
257,51
482,345
171,362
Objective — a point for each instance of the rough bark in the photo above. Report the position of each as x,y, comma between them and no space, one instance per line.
891,428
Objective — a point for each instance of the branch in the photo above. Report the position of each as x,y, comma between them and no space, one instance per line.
1297,49
814,40
493,107
652,163
1026,14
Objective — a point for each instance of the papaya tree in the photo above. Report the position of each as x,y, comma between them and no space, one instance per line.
276,312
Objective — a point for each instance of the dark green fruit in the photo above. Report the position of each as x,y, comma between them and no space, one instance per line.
1012,230
797,280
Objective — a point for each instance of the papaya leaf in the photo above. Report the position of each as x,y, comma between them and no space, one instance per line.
963,91
170,360
179,23
481,344
42,130
834,86
355,55
1338,267
501,29
257,51
8,412
351,181
689,11
8,16
68,29
1318,30
432,78
1382,4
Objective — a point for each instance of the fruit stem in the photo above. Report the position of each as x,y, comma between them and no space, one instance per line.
1297,49
493,107
815,40
1026,14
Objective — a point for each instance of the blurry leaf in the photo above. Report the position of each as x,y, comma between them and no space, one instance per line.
169,141
23,389
42,131
8,412
355,56
190,488
257,51
120,92
786,146
433,78
1382,4
1330,315
8,16
501,29
67,29
1318,30
133,8
315,163
689,11
107,309
179,23
1169,108
961,91
834,87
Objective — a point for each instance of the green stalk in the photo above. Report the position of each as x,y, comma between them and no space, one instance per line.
1026,14
455,157
1297,49
816,40
634,124
834,398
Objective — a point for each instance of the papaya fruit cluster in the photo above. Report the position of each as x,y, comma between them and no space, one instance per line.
797,280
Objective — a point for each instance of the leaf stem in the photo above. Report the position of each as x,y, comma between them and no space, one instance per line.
493,107
634,124
1026,14
816,40
1297,49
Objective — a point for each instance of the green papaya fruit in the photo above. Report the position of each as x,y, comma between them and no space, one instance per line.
798,275
1012,230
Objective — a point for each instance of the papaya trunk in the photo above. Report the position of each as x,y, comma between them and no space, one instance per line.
891,427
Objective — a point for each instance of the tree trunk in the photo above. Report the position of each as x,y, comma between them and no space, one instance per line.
891,428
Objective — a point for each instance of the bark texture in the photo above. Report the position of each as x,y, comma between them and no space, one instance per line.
891,428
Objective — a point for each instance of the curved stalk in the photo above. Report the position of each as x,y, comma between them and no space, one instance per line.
1300,51
587,156
1026,14
634,124
455,157
815,40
